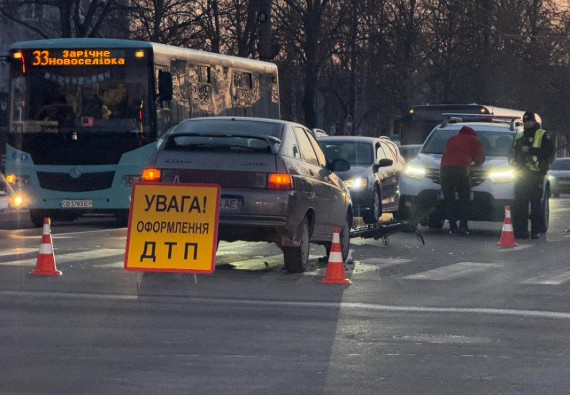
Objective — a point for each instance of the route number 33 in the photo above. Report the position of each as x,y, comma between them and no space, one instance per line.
40,58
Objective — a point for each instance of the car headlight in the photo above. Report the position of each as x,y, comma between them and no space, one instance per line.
415,171
502,175
551,177
356,183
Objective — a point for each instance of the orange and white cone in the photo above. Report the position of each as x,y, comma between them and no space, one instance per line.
508,235
45,265
335,265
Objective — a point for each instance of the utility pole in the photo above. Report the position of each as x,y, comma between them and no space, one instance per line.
264,19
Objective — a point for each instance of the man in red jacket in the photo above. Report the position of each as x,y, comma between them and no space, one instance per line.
461,150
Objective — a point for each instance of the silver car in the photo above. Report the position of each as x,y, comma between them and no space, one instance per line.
559,175
492,184
276,184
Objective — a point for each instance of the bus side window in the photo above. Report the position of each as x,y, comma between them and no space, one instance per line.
163,106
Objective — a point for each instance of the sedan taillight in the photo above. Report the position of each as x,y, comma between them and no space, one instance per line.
279,181
151,175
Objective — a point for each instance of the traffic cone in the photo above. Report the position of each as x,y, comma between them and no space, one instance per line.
508,235
335,266
45,265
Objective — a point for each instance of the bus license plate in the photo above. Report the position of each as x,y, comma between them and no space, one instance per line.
229,205
77,203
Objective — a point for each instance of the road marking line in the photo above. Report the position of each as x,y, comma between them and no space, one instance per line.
373,264
556,278
453,271
117,264
518,248
73,257
183,301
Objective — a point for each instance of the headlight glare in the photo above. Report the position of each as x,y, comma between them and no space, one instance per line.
414,171
502,175
356,183
17,201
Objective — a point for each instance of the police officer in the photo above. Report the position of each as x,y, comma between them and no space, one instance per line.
531,155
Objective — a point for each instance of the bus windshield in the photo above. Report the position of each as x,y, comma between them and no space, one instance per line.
72,107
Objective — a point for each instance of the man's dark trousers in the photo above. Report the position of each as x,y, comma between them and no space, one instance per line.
528,190
456,179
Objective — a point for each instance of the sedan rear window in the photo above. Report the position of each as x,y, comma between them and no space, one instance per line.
188,142
220,126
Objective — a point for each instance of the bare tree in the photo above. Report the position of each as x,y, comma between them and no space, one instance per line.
75,18
174,22
307,29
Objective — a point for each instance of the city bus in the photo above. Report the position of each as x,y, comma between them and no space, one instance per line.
86,113
420,120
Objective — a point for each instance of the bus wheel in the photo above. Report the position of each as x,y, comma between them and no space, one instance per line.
37,217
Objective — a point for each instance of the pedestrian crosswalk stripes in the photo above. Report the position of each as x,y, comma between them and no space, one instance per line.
72,257
453,271
17,251
113,258
555,278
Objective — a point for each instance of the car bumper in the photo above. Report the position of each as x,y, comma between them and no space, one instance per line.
362,201
423,197
560,185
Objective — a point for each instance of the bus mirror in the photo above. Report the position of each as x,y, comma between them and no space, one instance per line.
164,85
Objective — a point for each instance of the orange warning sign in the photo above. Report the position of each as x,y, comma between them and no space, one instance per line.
173,227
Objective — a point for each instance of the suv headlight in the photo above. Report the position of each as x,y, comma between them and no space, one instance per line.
356,183
502,175
415,171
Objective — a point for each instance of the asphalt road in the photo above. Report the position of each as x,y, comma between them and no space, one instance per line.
456,315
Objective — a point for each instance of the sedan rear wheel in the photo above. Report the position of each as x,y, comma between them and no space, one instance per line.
296,258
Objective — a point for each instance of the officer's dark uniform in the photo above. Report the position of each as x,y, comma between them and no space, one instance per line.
531,165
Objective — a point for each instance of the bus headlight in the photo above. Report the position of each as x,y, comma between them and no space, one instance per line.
414,171
131,179
16,180
355,183
502,175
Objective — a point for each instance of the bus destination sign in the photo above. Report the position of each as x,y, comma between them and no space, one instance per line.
77,57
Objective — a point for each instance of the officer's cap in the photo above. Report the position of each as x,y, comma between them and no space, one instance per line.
529,116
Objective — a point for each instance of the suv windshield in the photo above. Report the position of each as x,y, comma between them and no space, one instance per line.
494,143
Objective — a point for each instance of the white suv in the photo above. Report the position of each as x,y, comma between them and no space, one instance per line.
492,184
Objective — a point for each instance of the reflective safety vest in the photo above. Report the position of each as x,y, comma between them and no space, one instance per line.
532,162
